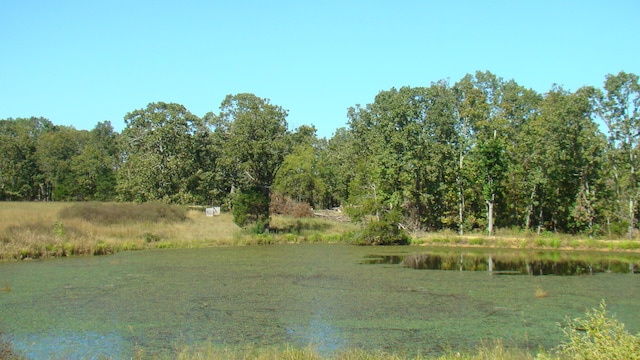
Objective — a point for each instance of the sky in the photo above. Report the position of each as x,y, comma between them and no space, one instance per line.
81,62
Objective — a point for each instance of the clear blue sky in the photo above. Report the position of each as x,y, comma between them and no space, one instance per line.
81,62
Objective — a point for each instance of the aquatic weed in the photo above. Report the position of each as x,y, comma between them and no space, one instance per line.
599,336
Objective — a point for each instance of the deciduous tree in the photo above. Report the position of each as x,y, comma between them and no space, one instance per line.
159,152
256,140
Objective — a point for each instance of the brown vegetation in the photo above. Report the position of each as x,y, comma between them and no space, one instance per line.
284,205
30,230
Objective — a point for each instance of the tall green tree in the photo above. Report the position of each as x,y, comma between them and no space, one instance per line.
565,151
55,152
469,111
159,150
404,153
619,108
94,168
256,141
20,177
299,176
336,159
519,106
490,131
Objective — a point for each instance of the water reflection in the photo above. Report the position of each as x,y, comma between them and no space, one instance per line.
319,333
543,263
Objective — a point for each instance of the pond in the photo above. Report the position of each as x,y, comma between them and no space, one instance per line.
329,296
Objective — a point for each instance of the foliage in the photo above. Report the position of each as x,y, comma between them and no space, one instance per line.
385,231
251,205
299,176
619,108
404,154
256,140
484,151
162,147
20,176
599,336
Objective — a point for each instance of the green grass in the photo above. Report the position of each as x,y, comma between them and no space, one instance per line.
495,351
525,240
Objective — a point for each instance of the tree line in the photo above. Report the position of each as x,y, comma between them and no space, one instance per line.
481,153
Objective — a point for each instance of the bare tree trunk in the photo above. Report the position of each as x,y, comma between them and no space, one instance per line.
540,220
632,212
632,216
375,200
530,208
490,215
461,199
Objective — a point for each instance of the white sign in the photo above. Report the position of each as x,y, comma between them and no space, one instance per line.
214,211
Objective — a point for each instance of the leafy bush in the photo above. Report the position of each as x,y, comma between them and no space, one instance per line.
251,206
599,337
619,228
151,237
386,231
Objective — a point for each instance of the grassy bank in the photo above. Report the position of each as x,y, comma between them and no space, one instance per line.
491,352
525,240
30,230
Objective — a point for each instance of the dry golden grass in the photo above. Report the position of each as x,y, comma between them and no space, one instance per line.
541,293
31,230
40,230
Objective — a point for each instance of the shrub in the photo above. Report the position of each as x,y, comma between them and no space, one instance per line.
250,206
151,237
386,231
599,337
284,205
301,210
619,228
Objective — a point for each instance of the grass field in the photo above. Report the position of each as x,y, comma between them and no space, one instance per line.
31,230
41,230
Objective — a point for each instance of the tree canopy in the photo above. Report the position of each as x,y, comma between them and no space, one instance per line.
480,153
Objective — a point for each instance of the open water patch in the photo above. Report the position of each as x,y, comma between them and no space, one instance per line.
514,263
72,346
